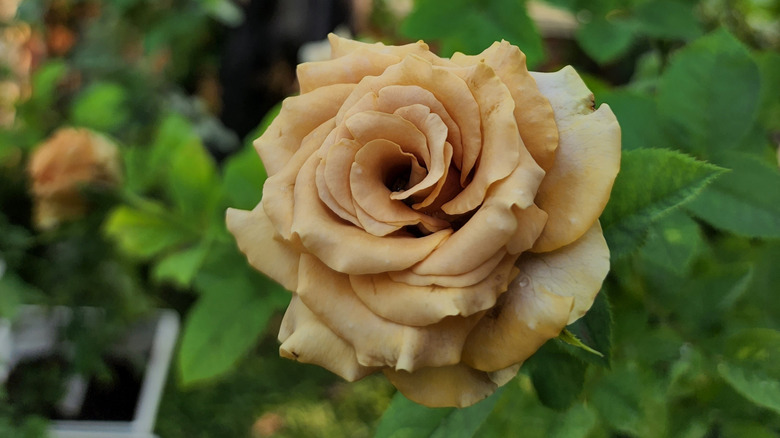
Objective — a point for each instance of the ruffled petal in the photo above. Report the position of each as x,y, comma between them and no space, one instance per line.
278,190
392,97
393,300
479,273
494,226
372,125
451,386
348,69
340,47
374,164
306,339
332,179
377,341
501,145
439,151
344,247
577,187
533,112
254,234
449,89
298,117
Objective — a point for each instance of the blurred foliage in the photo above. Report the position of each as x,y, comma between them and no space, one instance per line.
682,341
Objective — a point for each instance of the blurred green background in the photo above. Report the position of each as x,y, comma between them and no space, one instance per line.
686,326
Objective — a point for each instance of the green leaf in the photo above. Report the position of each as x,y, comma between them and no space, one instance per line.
180,267
225,324
629,400
192,179
243,179
638,119
769,68
594,331
710,296
745,201
750,366
708,97
14,293
101,106
142,233
558,377
605,39
407,419
734,428
576,422
148,168
673,242
225,11
45,81
667,19
471,26
650,184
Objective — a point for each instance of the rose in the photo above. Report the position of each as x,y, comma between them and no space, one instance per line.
67,161
436,219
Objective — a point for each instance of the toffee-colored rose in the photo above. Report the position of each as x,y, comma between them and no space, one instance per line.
60,167
435,219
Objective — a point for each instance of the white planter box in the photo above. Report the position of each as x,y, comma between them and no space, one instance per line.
33,335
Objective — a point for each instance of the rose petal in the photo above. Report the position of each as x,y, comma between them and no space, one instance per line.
377,341
278,190
501,144
533,113
577,187
340,47
392,300
374,164
348,69
439,150
585,264
332,179
393,97
525,317
445,85
298,117
254,234
455,385
372,125
479,273
306,339
337,243
531,221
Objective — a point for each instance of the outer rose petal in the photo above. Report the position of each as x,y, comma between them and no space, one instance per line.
349,69
577,187
552,290
278,190
454,385
254,233
306,339
523,319
298,117
585,264
340,47
377,341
